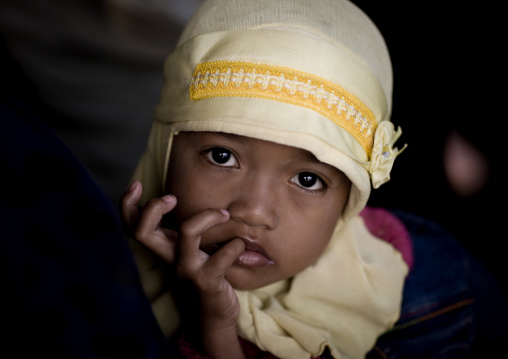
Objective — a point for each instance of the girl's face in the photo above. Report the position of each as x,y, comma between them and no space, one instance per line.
284,203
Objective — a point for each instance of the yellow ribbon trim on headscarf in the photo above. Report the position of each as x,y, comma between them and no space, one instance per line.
245,79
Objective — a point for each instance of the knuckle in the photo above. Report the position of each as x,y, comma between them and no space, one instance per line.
152,204
188,229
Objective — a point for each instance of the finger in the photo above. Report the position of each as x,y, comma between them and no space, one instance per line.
223,259
192,229
128,205
152,214
149,232
162,245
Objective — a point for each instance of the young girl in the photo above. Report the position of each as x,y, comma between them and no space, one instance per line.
272,126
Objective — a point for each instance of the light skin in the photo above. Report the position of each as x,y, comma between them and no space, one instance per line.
249,213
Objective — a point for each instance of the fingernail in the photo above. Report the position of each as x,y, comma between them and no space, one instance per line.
224,212
168,198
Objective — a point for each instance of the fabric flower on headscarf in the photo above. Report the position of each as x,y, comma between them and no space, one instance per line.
383,153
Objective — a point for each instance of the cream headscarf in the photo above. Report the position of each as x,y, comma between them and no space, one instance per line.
309,74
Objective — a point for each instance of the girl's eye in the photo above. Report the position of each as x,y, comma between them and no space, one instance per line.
221,157
308,180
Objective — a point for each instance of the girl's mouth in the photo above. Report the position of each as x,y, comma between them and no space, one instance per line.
251,258
254,255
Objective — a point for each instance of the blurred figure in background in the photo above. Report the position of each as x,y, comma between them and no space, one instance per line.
447,101
91,70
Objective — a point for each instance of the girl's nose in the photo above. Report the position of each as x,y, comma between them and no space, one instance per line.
255,203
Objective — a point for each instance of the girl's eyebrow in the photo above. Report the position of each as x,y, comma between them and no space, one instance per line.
307,156
228,136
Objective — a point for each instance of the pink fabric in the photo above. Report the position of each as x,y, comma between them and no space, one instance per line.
250,350
386,226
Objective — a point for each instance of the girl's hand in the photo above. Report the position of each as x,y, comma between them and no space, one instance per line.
218,304
145,225
206,273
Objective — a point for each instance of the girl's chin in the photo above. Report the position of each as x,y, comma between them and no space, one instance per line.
242,278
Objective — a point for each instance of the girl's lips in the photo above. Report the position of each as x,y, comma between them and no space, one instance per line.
254,254
253,259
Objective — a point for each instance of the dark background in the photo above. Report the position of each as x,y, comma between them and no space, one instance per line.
447,72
